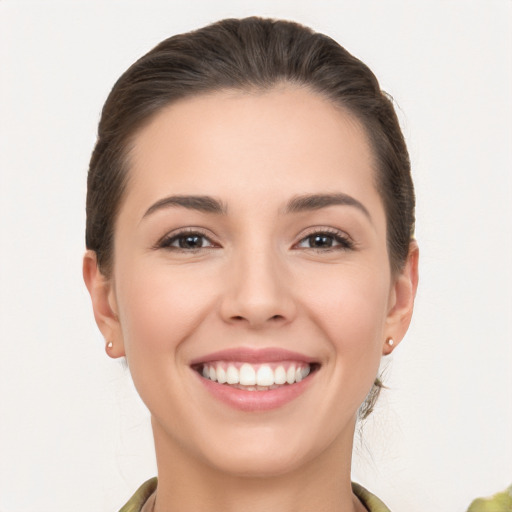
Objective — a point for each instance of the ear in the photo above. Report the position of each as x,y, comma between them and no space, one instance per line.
402,297
104,305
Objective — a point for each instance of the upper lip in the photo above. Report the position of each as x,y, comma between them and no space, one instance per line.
252,355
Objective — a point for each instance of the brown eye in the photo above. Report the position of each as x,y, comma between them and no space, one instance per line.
320,241
325,240
189,241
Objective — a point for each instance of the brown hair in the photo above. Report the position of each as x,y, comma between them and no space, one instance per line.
241,54
250,53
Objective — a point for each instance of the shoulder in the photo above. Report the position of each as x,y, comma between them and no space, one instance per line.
140,497
499,502
371,502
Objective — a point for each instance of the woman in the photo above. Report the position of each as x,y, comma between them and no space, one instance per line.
250,218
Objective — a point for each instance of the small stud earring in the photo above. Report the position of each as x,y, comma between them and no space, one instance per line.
390,342
110,344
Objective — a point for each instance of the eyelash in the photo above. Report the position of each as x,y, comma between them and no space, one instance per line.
343,241
168,240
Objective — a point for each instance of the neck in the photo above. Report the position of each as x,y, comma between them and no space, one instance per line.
186,484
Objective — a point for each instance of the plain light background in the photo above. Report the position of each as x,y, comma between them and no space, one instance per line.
73,434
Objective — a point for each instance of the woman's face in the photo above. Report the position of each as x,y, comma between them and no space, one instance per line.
251,246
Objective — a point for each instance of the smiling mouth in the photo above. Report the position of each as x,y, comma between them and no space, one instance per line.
256,377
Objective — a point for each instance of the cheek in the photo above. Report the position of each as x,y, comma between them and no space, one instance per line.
159,308
350,306
351,302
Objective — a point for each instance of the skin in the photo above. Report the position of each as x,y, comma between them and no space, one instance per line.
257,282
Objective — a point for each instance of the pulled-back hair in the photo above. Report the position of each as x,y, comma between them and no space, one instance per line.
250,53
247,54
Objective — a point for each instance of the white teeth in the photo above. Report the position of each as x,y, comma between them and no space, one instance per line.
265,376
232,375
247,375
290,374
221,375
280,375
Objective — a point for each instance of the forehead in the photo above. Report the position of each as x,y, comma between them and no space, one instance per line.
251,144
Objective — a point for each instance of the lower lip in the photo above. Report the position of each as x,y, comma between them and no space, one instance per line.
254,401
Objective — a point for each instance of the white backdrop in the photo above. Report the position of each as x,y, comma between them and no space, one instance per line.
73,435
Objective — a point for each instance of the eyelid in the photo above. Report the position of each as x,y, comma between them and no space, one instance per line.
345,240
165,241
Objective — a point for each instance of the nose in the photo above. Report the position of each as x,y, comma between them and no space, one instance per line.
258,291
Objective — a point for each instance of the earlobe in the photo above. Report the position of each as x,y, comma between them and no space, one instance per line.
389,346
403,294
103,305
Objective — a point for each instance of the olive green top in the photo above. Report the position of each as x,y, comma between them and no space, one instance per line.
137,501
500,502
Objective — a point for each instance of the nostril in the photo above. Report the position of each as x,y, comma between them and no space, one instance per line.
274,318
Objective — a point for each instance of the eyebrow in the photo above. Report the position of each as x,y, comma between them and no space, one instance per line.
205,204
309,202
302,203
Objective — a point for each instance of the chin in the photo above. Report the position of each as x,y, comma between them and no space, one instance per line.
259,463
264,452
